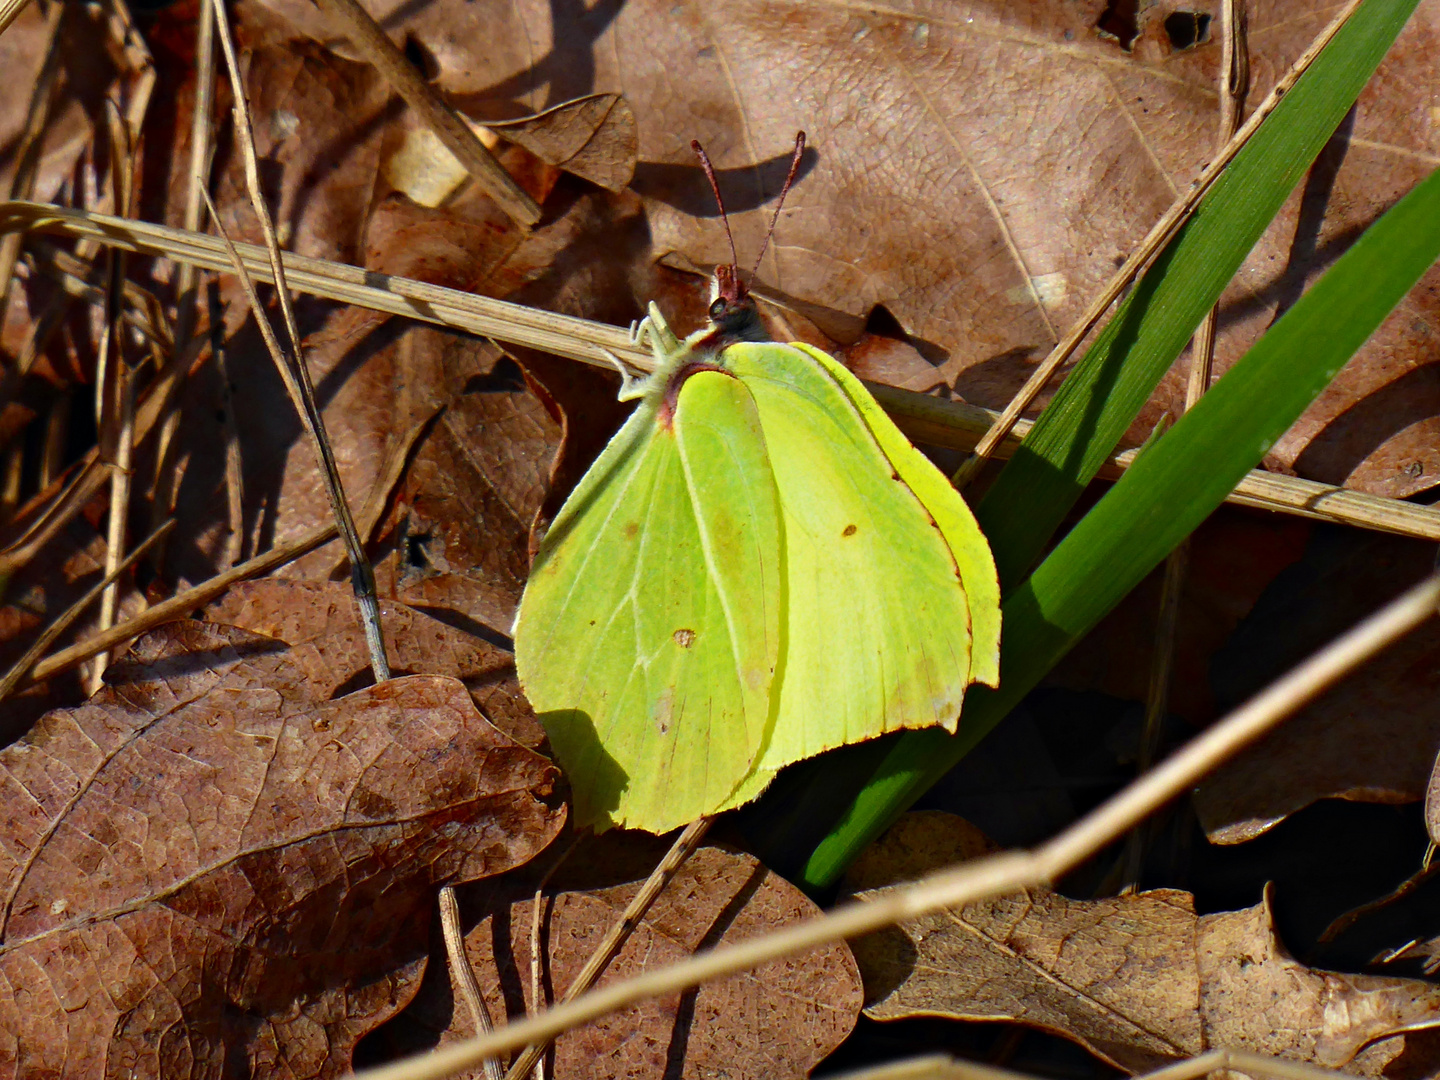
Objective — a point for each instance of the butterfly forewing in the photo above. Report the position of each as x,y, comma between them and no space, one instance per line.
648,633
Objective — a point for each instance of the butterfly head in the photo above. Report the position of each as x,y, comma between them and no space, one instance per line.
732,308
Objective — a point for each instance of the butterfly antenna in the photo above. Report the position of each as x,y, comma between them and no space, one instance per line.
715,187
789,179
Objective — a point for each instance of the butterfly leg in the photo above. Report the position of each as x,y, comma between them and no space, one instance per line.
655,331
631,386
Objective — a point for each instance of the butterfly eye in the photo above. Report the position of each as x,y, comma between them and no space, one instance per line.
717,308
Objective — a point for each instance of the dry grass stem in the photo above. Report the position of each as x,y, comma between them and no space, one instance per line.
16,675
364,33
9,9
615,938
396,460
181,605
996,875
929,420
464,975
115,382
234,471
537,959
297,382
164,479
1156,239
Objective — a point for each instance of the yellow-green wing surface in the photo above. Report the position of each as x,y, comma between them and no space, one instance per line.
876,633
951,513
650,628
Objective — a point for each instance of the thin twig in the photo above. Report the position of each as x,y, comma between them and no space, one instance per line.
615,938
1156,239
181,605
362,575
16,675
465,975
928,420
979,879
1234,68
364,33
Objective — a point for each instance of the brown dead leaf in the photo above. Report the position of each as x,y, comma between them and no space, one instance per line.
1371,737
779,1020
458,531
323,615
593,137
62,571
1137,979
979,171
205,864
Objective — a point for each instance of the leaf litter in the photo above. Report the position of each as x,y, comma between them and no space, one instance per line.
1030,220
206,835
1138,979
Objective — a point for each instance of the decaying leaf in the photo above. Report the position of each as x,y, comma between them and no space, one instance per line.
207,866
778,1020
1137,979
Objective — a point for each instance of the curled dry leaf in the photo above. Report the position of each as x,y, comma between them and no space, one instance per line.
593,137
1137,979
778,1020
979,170
206,864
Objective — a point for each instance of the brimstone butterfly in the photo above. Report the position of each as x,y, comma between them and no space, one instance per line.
759,567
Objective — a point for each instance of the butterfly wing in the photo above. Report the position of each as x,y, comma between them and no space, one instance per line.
878,623
950,512
649,630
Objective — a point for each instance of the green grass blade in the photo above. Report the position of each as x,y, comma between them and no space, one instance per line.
1160,500
1102,396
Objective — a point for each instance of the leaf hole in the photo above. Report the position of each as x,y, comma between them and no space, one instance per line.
1120,22
684,637
1186,29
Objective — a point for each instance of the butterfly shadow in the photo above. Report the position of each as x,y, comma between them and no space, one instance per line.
573,732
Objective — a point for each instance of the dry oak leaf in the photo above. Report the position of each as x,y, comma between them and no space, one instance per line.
1138,979
779,1020
979,169
323,615
206,868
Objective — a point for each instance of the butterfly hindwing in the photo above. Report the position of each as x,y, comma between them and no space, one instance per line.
877,622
